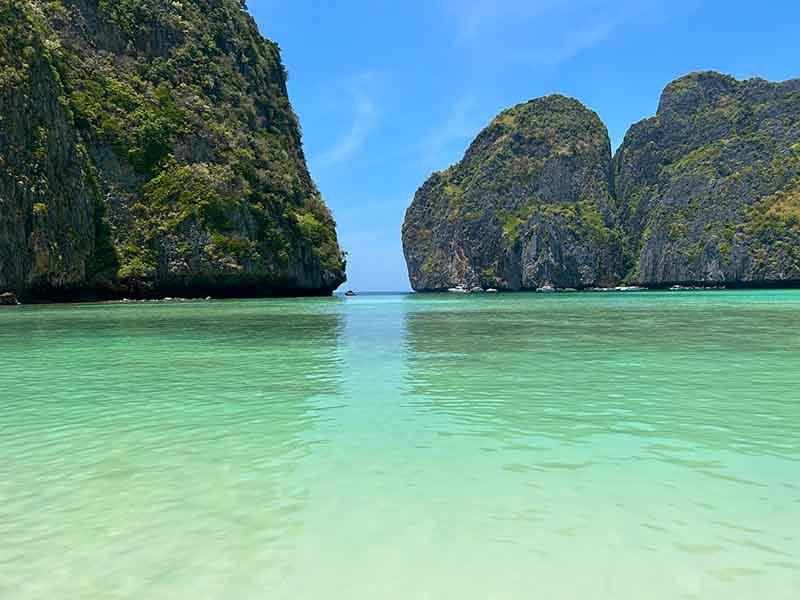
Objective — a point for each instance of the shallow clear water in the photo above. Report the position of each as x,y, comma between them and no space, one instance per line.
618,446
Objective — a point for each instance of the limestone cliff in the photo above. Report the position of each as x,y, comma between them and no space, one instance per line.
149,148
705,192
709,188
529,205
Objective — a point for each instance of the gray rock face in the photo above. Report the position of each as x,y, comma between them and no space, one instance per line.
708,189
48,233
528,205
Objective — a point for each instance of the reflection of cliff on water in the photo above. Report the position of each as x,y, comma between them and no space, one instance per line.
572,367
161,432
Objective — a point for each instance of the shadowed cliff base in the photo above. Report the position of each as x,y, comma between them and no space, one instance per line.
196,291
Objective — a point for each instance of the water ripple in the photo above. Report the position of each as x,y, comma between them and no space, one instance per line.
606,446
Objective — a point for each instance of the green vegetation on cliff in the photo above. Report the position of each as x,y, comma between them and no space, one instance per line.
708,187
177,118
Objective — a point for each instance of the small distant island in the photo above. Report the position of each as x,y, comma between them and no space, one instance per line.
704,194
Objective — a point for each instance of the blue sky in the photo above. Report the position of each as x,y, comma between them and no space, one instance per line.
388,92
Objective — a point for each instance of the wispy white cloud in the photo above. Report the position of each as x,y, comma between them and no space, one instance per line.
365,117
574,41
460,125
474,17
541,32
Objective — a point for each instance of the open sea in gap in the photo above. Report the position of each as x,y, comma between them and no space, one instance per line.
571,446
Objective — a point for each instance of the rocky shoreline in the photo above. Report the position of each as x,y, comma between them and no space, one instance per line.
555,290
585,291
8,299
549,289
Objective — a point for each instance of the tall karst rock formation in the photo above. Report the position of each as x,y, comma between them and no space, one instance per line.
709,188
150,148
528,205
705,192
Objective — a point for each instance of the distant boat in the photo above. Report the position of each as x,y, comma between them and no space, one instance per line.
350,293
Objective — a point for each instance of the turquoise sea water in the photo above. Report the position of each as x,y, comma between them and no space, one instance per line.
588,446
